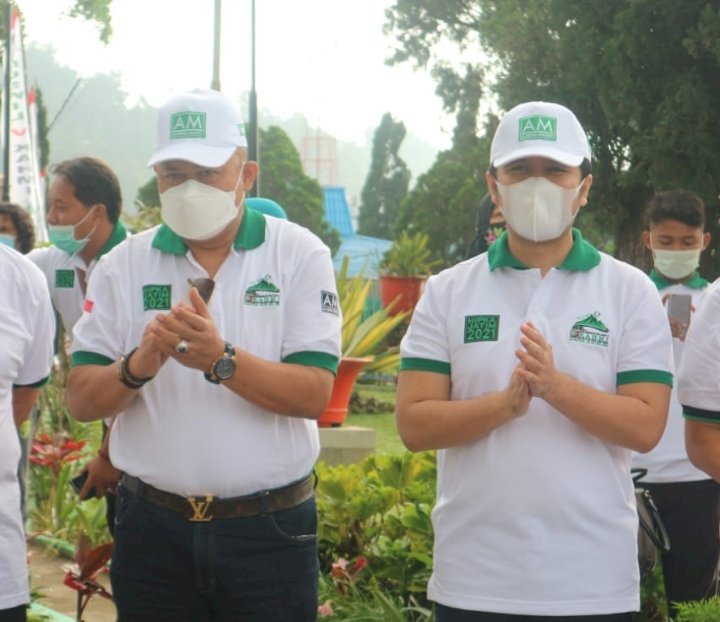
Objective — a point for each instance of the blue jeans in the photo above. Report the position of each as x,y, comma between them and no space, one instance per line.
450,614
250,569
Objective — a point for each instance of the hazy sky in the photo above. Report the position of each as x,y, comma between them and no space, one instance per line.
323,58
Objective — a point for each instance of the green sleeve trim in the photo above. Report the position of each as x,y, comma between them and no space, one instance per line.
418,364
90,358
700,414
33,385
644,375
314,359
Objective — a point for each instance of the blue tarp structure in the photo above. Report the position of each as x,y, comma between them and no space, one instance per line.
364,251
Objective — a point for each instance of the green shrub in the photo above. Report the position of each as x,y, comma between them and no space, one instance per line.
702,611
375,534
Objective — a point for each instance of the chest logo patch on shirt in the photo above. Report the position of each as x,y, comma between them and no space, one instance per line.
590,329
329,303
481,328
65,278
263,293
156,297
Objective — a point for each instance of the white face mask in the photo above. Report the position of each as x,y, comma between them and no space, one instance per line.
196,211
537,209
676,264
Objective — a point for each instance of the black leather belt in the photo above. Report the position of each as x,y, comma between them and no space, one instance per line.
204,509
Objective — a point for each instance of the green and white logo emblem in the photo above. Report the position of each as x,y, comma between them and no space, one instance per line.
188,125
65,279
481,328
590,329
263,293
156,297
538,127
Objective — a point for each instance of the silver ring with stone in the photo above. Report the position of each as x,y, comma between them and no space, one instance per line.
182,347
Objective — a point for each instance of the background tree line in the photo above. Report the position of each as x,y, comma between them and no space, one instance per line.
643,78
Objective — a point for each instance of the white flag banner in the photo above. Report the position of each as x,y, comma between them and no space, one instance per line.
24,182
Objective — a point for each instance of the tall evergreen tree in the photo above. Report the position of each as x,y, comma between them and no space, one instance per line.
387,182
446,198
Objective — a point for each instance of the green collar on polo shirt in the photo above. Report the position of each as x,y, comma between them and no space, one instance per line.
582,257
251,234
694,282
118,235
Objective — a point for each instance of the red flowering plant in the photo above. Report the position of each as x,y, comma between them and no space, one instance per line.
55,451
52,503
83,575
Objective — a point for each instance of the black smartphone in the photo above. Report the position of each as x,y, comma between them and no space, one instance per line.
78,482
679,307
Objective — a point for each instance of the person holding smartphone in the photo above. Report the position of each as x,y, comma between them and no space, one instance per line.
534,369
686,497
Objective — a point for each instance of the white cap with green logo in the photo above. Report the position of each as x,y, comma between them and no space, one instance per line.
201,126
540,129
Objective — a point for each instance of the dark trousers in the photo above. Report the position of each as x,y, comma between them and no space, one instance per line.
255,569
16,614
449,614
689,511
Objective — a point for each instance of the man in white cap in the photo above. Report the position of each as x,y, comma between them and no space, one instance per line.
535,368
217,390
28,328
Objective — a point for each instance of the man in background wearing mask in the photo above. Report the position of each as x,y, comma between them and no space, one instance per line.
84,204
83,224
535,369
16,228
685,497
217,440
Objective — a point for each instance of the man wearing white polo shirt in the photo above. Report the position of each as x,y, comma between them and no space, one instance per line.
535,369
217,439
699,385
28,328
84,205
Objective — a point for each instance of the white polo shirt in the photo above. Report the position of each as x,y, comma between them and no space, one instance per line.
274,296
669,461
538,517
26,351
699,372
64,280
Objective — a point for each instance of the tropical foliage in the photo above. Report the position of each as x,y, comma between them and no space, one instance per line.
366,335
408,256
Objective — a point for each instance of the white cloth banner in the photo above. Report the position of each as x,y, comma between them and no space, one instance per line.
24,183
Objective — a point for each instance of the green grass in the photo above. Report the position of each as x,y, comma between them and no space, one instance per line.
388,441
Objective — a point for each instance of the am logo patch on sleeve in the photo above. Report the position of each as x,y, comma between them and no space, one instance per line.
329,302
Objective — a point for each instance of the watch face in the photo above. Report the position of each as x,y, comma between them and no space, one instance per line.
224,368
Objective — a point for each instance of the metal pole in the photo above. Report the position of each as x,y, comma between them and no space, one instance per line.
252,134
215,84
6,106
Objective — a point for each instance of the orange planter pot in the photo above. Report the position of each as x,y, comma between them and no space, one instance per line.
407,288
337,408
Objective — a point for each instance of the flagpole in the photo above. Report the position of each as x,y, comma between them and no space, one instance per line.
6,106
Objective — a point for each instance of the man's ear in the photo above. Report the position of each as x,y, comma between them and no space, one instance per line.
586,184
706,240
493,189
250,173
646,240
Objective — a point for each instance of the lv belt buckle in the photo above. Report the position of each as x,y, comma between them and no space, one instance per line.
200,509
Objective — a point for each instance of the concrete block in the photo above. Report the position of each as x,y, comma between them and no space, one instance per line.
346,444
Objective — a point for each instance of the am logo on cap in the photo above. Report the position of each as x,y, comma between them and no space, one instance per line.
538,127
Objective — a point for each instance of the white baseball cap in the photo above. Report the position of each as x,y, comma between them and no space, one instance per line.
540,129
201,126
